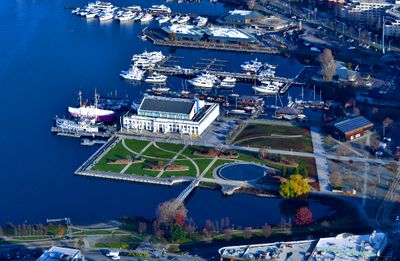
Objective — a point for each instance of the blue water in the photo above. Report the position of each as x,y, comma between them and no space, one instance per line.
46,56
242,171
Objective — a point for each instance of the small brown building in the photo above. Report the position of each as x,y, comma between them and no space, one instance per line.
350,128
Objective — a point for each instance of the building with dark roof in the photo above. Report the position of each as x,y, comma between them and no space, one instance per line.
350,128
171,115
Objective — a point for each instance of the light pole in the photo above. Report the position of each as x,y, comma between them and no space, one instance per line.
390,42
359,34
369,36
376,39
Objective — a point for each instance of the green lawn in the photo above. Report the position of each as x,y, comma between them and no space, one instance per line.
137,168
117,152
152,151
189,173
136,145
202,163
248,137
214,166
170,146
116,242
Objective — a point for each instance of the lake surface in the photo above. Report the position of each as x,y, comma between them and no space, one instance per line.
47,56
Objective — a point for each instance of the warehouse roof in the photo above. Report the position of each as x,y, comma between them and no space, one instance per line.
352,124
162,104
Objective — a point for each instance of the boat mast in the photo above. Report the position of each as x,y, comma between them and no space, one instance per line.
80,98
96,98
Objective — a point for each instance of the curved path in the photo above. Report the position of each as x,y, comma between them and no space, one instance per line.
273,136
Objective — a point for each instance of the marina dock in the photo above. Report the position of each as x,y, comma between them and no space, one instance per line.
239,76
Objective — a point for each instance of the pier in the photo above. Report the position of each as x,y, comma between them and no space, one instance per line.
240,76
77,134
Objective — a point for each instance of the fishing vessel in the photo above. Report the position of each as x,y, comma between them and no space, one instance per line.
91,112
156,78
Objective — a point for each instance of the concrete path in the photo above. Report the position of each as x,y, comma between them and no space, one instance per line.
320,159
138,155
208,167
172,160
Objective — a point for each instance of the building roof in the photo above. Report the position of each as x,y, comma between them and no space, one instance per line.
59,253
350,247
222,32
352,124
243,14
162,104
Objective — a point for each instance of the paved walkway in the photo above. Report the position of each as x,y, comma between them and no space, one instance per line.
172,160
138,155
320,159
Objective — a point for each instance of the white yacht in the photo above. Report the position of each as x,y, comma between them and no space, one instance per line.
138,16
125,16
76,10
146,18
134,8
251,66
163,19
160,89
266,74
152,57
200,21
174,19
133,74
156,78
183,19
160,9
105,16
270,66
229,80
267,89
92,14
202,82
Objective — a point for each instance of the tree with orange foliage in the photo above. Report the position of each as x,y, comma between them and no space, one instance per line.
303,216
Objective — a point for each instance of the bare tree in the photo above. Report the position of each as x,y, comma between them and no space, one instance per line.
386,123
335,179
248,232
251,4
228,232
328,65
267,230
169,212
142,227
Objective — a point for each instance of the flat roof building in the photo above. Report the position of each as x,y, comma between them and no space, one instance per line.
171,115
61,253
345,246
184,32
350,128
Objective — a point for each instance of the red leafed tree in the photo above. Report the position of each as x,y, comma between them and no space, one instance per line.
180,219
303,216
